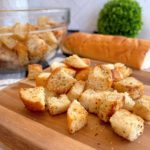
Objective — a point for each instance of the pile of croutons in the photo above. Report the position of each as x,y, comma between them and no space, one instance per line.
77,87
21,43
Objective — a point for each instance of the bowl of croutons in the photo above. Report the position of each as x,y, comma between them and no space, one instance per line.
29,36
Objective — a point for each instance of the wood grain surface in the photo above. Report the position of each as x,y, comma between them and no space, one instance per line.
21,129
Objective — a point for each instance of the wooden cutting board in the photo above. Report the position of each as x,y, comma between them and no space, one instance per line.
23,130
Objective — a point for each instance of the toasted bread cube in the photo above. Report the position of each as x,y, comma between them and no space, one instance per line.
34,70
55,65
76,62
48,37
107,66
5,29
110,102
69,71
134,87
83,74
142,107
119,71
76,90
76,117
20,31
58,105
128,102
42,21
22,53
63,66
87,97
122,70
60,81
99,79
33,98
8,41
41,79
127,125
49,94
37,48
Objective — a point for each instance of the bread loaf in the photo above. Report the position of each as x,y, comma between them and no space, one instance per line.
132,52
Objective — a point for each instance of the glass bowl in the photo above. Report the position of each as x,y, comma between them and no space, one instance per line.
29,36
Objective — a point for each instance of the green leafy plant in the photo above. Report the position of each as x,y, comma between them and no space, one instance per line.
120,17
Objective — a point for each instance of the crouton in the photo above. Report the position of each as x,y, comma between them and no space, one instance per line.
37,48
69,71
42,21
55,65
142,107
119,71
75,62
76,117
122,70
34,70
127,125
76,90
33,98
99,79
107,66
58,105
8,41
89,99
20,31
63,66
134,87
48,37
109,103
22,53
83,74
87,61
42,78
128,102
60,81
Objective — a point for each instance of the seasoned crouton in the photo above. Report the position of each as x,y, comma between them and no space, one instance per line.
69,71
107,66
99,79
131,85
33,98
109,103
58,105
63,66
42,78
89,99
55,65
60,81
34,70
48,37
22,53
42,21
8,41
76,62
122,70
119,71
37,48
76,117
142,107
76,90
83,74
128,102
20,31
127,125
